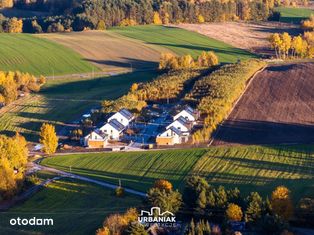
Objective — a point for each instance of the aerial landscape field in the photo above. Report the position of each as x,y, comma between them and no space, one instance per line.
109,51
25,53
157,117
282,99
183,42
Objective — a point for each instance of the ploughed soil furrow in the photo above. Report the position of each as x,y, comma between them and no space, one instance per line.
278,107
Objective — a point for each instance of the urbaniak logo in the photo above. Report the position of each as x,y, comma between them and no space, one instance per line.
154,216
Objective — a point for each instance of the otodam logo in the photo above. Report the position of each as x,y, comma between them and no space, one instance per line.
154,216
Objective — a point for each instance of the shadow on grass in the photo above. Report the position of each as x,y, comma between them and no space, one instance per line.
251,132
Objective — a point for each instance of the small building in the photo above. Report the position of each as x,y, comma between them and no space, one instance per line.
181,124
171,136
189,114
113,129
95,139
124,116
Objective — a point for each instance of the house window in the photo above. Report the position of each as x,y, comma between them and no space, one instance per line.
121,120
111,131
95,137
106,131
179,127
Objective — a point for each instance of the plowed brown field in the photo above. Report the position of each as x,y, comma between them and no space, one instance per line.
278,107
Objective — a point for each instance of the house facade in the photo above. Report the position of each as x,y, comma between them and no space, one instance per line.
123,116
181,124
171,136
189,114
95,140
113,129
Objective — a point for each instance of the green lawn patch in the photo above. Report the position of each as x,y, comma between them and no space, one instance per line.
293,15
26,53
137,170
75,206
183,42
250,168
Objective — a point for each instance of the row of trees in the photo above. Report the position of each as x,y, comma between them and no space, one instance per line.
99,14
13,160
214,95
12,83
165,87
205,60
286,46
202,203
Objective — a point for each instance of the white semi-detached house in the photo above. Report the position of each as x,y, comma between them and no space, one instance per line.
124,116
171,136
181,124
96,139
189,114
113,129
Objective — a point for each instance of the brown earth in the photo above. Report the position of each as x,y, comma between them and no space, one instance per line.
277,107
248,36
109,51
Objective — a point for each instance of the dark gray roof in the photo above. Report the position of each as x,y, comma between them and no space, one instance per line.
189,110
175,130
126,113
103,135
182,120
116,124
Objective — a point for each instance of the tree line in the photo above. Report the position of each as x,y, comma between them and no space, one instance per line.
172,62
78,15
287,46
215,94
211,210
13,160
12,84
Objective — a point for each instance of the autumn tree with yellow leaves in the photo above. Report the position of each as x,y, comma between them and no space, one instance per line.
308,25
12,83
172,62
234,212
156,18
14,25
6,3
281,202
48,138
286,46
13,160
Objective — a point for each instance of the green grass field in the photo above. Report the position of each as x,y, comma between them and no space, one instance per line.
76,208
182,42
293,15
137,170
64,100
28,53
248,168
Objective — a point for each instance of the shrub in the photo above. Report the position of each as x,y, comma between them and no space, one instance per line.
234,212
163,185
119,191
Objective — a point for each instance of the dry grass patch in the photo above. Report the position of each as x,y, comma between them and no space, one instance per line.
108,50
248,36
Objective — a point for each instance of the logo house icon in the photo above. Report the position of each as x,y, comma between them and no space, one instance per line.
155,216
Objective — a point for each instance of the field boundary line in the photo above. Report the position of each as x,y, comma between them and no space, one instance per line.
236,102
